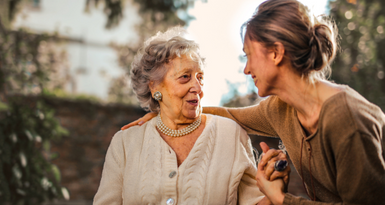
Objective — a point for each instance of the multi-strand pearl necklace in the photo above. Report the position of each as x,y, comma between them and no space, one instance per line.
177,133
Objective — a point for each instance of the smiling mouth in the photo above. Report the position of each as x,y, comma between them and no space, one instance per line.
193,102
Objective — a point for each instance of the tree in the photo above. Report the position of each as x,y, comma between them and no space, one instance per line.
360,63
29,64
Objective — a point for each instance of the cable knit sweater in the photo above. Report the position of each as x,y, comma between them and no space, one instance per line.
141,168
346,153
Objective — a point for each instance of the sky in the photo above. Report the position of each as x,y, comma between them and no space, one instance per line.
216,28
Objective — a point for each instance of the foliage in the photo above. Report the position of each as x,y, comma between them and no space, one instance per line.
162,11
361,62
26,174
29,64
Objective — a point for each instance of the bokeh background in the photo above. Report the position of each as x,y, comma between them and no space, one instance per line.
64,86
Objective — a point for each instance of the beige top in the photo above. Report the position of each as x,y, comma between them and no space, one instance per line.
141,168
347,158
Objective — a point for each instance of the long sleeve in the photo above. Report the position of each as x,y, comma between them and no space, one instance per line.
360,172
254,119
110,188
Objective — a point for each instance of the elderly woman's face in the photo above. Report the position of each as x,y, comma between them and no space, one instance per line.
182,89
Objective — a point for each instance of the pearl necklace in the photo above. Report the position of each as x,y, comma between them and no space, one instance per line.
177,133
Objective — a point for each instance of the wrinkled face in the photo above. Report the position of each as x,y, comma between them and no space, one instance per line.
181,90
260,65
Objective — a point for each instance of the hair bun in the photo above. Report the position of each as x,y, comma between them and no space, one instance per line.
310,43
321,45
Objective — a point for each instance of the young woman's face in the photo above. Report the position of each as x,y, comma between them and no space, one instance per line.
182,89
260,65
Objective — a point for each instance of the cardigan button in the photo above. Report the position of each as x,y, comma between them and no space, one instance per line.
172,174
170,201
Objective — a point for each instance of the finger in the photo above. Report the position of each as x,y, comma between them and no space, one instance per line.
130,125
276,175
286,179
149,116
282,156
140,121
269,168
260,166
269,155
264,147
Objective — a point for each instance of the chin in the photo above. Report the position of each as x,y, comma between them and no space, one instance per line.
193,114
262,94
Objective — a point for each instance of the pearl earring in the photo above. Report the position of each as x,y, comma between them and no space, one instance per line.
157,96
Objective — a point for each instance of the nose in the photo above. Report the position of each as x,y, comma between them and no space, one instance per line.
246,70
196,85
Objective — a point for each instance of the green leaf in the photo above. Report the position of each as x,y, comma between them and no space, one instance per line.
3,106
56,173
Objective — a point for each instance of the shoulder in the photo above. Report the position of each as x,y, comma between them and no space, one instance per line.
133,135
348,112
228,128
223,123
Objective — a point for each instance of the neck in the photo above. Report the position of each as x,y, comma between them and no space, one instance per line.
305,97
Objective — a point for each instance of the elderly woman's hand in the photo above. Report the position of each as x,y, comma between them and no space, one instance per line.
140,121
269,158
273,190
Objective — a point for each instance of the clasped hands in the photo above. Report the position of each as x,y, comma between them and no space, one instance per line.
272,183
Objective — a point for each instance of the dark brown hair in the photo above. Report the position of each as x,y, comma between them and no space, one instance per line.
310,43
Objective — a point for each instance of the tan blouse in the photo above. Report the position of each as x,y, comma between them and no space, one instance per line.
344,160
141,168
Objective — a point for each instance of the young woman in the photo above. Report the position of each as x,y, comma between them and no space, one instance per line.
333,135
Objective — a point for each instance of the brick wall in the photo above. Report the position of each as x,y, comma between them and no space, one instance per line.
81,154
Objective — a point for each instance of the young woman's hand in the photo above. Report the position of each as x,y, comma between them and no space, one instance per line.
269,158
140,121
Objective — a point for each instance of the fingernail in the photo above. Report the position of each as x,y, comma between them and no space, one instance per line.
140,123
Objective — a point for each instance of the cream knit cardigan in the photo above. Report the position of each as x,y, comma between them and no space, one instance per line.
140,165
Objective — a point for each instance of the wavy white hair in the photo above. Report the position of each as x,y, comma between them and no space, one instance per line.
149,63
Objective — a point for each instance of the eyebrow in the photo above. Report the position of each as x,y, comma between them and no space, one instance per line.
187,69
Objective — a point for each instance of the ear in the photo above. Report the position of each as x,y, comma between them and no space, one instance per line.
279,53
152,87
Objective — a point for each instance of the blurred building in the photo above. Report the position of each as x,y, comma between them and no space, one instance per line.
92,62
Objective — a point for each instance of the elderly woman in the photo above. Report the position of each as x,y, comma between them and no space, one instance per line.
180,156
